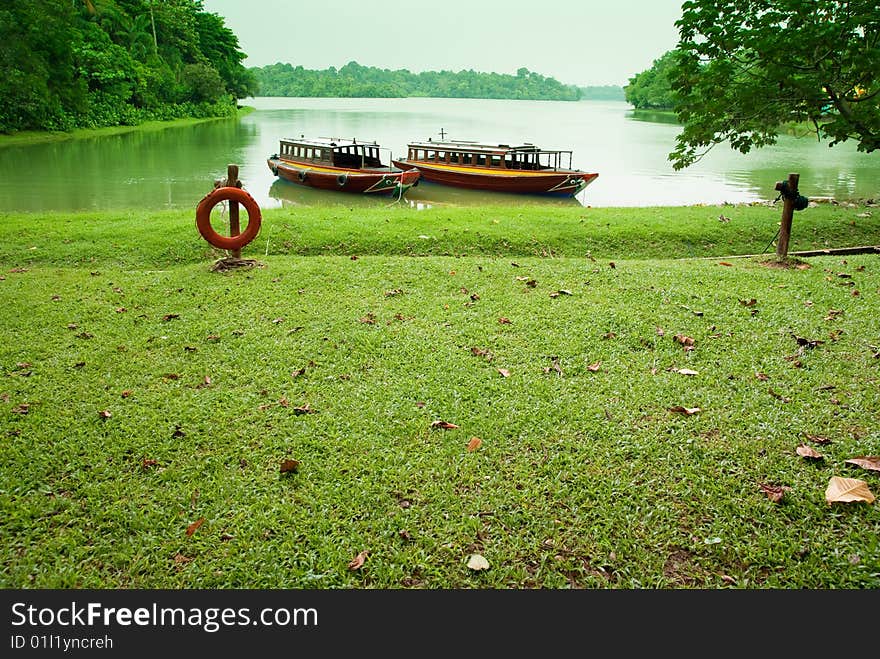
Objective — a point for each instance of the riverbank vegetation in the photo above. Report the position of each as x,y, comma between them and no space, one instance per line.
70,65
584,398
355,80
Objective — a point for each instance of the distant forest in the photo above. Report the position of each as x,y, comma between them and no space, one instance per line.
356,81
80,64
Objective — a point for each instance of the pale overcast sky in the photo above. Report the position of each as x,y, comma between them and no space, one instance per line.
578,42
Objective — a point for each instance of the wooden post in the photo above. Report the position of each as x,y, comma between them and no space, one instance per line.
234,226
787,214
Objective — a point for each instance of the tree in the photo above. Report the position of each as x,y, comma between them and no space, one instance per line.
745,67
651,89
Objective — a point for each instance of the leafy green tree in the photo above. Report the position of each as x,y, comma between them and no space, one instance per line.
745,67
651,89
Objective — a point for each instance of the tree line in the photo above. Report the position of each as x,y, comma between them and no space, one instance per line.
355,80
68,64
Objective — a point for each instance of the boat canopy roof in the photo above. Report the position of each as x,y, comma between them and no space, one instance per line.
482,147
329,142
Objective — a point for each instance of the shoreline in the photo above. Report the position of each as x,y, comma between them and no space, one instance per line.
27,138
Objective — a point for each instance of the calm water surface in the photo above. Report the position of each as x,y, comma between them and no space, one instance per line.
174,168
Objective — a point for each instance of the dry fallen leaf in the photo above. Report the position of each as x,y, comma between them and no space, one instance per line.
477,562
685,410
192,528
289,466
504,372
358,561
684,340
686,371
105,414
443,424
595,366
847,490
474,444
807,452
818,439
774,492
504,321
870,462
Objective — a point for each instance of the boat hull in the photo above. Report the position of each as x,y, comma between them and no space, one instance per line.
380,181
557,182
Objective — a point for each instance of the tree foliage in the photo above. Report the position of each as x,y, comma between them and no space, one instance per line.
651,89
87,63
355,80
745,67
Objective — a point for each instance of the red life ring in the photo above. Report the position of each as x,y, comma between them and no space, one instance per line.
203,218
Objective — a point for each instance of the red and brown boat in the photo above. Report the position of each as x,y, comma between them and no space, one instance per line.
523,168
340,164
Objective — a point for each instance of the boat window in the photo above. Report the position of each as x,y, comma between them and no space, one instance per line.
453,157
495,161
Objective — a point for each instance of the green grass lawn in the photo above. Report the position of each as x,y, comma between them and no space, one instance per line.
148,403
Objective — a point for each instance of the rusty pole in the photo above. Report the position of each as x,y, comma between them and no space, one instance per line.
787,214
234,226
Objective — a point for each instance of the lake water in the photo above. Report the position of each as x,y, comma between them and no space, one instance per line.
174,168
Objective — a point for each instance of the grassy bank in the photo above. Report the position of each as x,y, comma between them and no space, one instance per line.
636,395
39,137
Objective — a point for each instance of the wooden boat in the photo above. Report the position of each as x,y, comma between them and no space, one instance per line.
340,164
523,168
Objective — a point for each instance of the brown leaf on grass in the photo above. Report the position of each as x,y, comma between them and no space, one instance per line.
171,376
848,490
687,411
762,376
725,263
482,352
808,452
595,366
146,463
304,409
121,309
609,335
807,343
289,466
212,337
21,408
612,265
504,321
685,371
774,492
445,425
192,528
870,462
206,382
105,414
778,396
394,292
180,560
283,402
504,372
278,321
474,444
684,340
170,316
748,303
369,319
833,314
358,561
660,331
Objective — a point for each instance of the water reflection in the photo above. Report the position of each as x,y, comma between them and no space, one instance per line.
423,196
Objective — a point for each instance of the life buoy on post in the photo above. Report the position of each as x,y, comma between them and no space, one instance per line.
203,218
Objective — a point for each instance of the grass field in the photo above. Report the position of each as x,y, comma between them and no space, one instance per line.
586,398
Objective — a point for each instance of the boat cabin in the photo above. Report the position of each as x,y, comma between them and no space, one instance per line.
331,152
494,156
